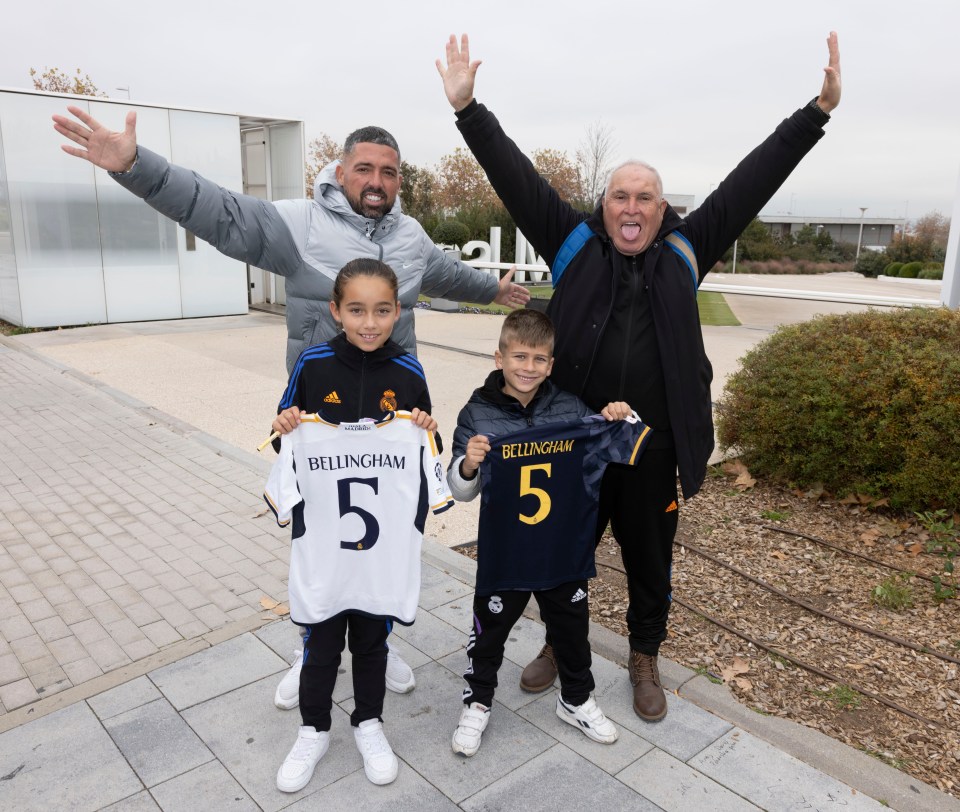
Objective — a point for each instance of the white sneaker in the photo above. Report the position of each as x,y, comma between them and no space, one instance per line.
473,721
297,768
400,677
287,696
590,719
379,762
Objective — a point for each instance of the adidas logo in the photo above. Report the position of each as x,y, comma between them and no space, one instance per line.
333,397
579,595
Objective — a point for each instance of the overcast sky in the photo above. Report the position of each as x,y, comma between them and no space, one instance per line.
690,87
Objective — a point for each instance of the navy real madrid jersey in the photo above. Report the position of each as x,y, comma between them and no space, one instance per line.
539,501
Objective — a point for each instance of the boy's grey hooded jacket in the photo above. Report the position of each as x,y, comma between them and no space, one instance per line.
307,242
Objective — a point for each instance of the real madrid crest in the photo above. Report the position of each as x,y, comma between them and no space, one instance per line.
495,605
388,402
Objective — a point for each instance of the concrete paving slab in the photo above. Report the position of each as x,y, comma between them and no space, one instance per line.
557,779
432,636
683,732
207,787
356,793
437,588
141,802
216,671
125,697
252,744
425,723
676,787
610,758
156,742
774,780
67,749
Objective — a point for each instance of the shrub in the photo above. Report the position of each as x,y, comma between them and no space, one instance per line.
451,232
862,403
893,269
871,263
910,270
931,270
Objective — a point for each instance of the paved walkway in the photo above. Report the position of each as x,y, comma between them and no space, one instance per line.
137,663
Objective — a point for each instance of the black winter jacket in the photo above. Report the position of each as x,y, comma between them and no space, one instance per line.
344,384
492,412
583,304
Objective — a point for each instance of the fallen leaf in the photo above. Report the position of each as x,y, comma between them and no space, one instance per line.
734,468
281,610
744,684
267,603
745,481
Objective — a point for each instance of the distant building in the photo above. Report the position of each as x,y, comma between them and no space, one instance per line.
681,204
878,232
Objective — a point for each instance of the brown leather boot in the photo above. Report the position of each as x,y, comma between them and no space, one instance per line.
540,673
649,702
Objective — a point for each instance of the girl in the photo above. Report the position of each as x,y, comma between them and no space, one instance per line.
359,374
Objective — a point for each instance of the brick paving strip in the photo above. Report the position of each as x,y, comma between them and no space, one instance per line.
122,533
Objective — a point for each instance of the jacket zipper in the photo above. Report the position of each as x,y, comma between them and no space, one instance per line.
363,370
633,301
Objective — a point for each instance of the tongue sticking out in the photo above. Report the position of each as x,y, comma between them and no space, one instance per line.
630,231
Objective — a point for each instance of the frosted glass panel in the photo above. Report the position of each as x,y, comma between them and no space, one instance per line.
210,283
140,267
53,217
286,161
9,288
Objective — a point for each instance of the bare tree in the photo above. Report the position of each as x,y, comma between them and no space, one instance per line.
320,152
594,154
462,183
559,171
933,227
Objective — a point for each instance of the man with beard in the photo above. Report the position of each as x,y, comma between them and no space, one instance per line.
355,213
627,327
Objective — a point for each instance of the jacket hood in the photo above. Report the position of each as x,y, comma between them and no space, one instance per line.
328,192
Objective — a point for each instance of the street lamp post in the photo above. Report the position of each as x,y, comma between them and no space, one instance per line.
126,90
863,211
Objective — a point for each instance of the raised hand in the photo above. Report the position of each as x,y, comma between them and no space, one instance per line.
509,293
113,151
460,73
829,96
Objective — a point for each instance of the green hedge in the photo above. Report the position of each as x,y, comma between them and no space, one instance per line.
893,269
860,403
910,270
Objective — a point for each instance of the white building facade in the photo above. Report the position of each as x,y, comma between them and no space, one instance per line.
76,248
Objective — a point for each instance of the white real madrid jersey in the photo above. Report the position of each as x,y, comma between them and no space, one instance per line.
357,495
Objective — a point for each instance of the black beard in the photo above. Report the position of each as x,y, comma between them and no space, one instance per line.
372,212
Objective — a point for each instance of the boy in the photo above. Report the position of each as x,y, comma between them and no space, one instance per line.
537,457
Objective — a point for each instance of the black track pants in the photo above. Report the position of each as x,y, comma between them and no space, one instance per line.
322,646
565,611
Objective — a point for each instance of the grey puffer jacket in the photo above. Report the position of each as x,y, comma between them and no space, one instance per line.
492,412
307,242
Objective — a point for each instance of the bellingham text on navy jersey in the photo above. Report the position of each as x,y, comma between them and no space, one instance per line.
513,450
